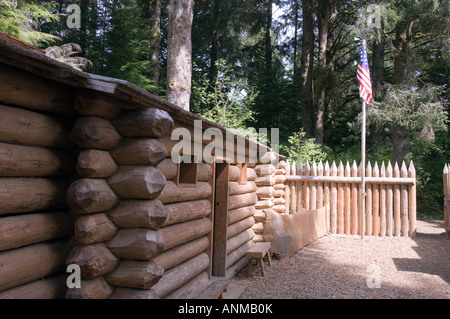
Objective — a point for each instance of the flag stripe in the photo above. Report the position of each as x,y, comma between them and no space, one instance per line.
363,77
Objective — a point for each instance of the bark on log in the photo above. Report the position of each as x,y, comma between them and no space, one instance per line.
238,253
136,243
94,260
170,169
181,253
240,226
263,204
139,182
139,214
128,293
26,264
18,160
258,227
259,215
240,239
235,173
86,196
265,192
192,289
90,103
19,195
95,133
19,87
184,211
95,163
53,287
96,288
240,213
94,228
235,189
181,274
135,274
181,233
27,127
171,193
139,151
267,180
264,169
237,267
149,122
18,231
237,201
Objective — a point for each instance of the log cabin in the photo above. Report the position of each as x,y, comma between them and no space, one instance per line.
90,175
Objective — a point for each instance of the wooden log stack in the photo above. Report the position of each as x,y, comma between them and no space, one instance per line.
118,214
36,161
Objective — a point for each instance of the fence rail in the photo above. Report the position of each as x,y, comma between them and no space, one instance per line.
390,196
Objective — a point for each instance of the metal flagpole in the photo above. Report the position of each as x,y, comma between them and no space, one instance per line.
363,171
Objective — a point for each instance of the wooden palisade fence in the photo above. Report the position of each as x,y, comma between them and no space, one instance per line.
446,181
390,196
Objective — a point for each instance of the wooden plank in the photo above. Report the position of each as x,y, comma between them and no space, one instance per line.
220,220
397,203
412,202
259,250
369,198
340,201
404,204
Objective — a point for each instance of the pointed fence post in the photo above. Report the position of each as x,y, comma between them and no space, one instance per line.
300,200
383,203
404,203
340,201
376,202
412,201
333,201
354,208
347,202
397,202
313,200
390,203
320,186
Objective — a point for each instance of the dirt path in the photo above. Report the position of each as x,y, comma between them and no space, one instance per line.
338,266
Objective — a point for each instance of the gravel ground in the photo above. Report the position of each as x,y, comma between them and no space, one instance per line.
337,266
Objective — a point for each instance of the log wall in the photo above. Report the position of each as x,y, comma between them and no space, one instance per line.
36,161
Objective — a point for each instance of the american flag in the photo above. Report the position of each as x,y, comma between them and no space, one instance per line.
363,76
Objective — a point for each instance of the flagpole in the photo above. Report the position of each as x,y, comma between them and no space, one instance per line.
363,171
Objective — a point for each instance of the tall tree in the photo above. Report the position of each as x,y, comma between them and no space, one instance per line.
179,52
306,67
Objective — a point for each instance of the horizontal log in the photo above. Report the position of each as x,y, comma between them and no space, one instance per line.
234,188
26,264
240,226
135,274
94,260
192,289
279,193
279,178
240,239
267,180
175,256
265,192
236,268
138,182
90,103
53,287
96,133
19,160
258,227
133,213
181,233
21,195
278,187
238,253
279,201
240,213
94,228
280,171
279,208
22,88
88,195
96,288
259,215
184,211
235,173
28,127
181,274
22,230
237,201
171,193
356,180
258,238
264,169
129,293
150,122
170,169
139,151
136,243
95,163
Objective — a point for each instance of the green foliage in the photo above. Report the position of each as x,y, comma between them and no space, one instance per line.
21,19
299,148
229,103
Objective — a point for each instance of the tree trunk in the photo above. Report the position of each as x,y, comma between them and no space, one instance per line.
179,52
214,55
400,142
306,68
378,61
155,39
322,17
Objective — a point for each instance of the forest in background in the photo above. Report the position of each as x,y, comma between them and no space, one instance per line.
286,64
